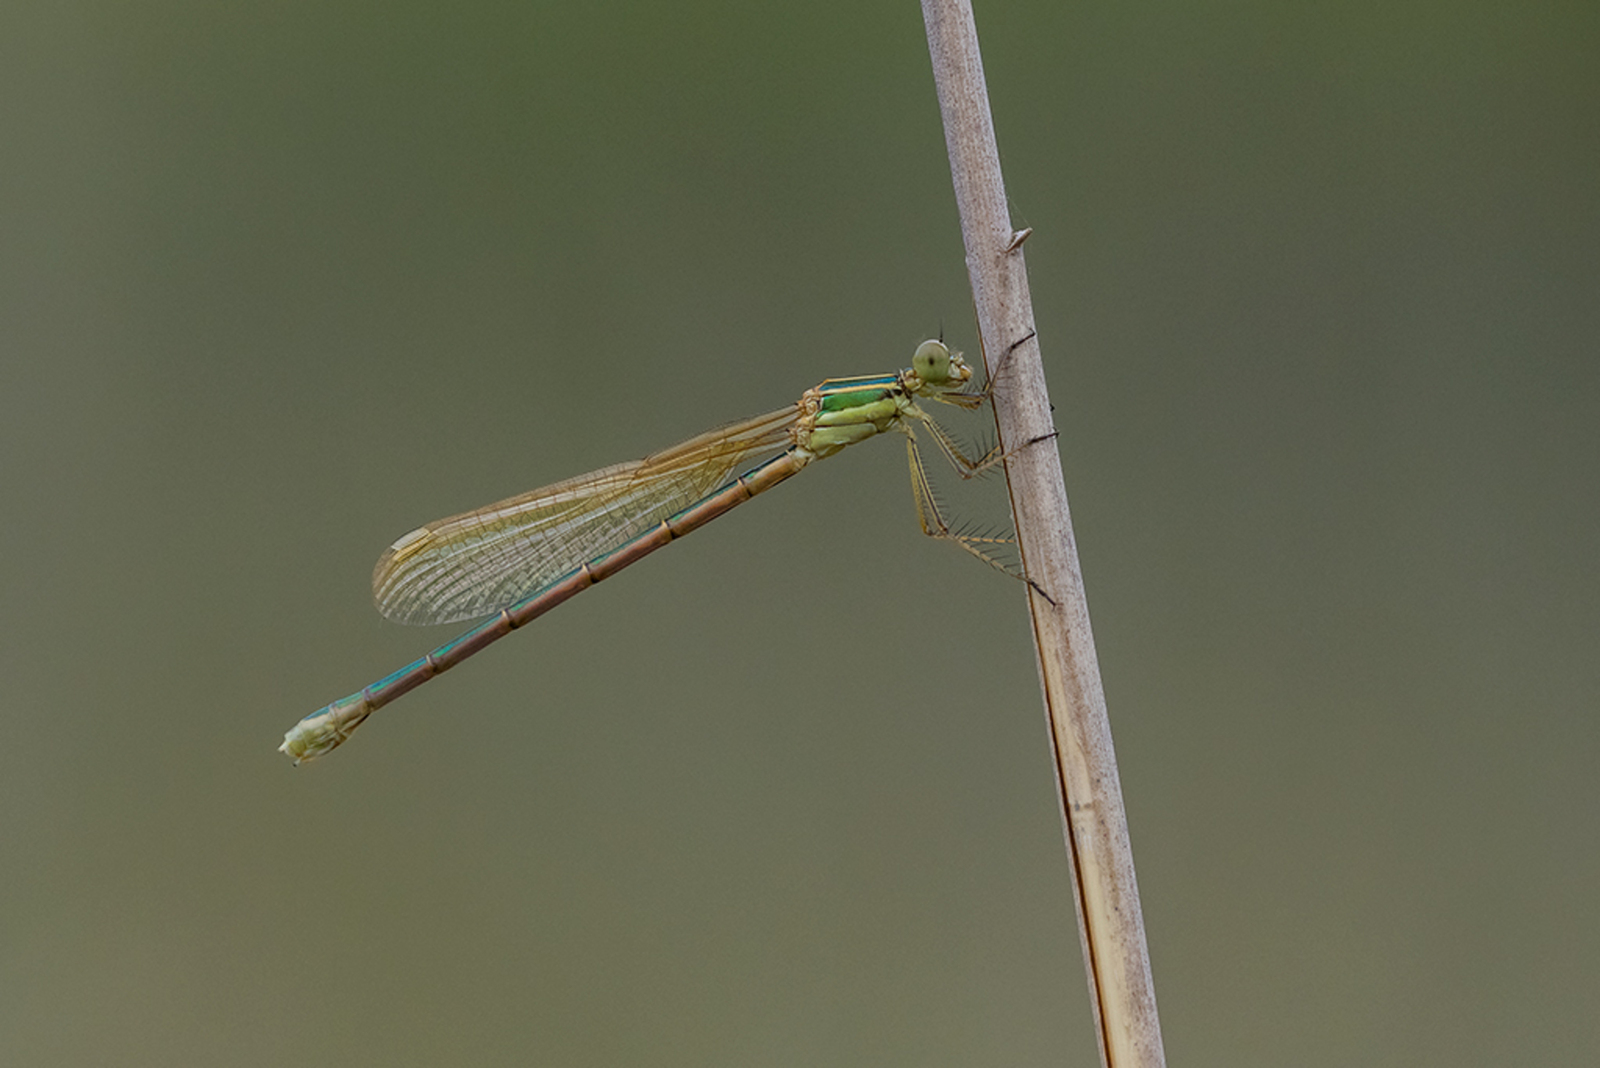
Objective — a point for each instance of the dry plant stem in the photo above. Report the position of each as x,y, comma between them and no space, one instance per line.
1107,895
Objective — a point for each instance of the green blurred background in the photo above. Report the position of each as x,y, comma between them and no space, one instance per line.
1318,288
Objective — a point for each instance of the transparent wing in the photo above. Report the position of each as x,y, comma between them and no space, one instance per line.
480,562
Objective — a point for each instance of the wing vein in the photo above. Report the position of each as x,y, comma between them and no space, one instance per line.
479,562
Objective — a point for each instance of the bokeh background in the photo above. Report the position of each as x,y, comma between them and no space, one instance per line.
1318,288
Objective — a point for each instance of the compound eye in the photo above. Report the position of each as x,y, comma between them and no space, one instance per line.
932,362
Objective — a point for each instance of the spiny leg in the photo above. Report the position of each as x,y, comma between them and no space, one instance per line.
972,401
935,525
966,466
1000,366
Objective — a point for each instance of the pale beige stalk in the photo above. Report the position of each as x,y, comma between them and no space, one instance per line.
1110,923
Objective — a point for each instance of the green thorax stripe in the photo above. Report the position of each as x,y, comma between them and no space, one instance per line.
841,393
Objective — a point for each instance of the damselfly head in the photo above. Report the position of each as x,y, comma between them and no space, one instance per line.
939,368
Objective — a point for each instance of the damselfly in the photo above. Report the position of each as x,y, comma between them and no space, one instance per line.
520,558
